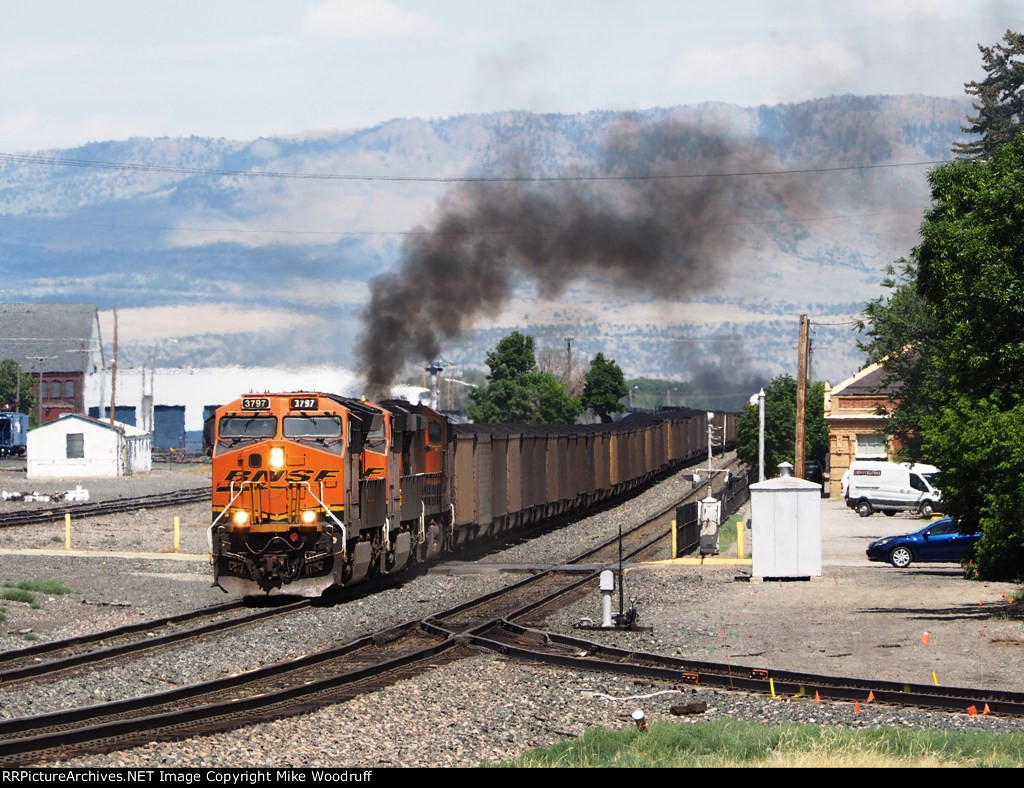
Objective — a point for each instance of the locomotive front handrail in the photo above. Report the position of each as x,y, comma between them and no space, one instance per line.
331,515
234,496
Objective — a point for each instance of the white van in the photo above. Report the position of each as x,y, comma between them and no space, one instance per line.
890,487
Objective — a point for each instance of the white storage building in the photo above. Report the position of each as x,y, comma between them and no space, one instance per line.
76,446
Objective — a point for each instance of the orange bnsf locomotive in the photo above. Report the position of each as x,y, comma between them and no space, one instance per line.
314,490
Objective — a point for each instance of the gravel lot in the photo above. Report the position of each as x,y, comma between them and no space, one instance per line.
860,619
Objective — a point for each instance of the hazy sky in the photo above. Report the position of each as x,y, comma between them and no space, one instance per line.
73,72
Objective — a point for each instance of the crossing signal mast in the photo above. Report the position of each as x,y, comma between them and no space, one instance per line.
435,368
710,508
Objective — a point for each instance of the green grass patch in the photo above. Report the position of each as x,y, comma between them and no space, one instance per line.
17,595
43,587
31,637
3,615
738,743
727,533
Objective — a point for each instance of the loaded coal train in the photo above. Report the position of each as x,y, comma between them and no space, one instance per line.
314,490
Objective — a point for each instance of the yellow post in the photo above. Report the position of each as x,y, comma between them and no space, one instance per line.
177,534
673,538
67,531
741,532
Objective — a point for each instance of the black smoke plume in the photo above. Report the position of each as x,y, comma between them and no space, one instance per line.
642,226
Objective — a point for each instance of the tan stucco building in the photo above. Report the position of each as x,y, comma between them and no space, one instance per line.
856,429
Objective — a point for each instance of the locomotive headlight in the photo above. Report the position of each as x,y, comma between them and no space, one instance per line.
308,516
276,457
241,517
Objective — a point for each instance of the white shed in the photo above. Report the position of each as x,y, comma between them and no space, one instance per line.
76,446
785,520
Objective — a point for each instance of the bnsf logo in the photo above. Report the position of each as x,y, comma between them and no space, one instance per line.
289,477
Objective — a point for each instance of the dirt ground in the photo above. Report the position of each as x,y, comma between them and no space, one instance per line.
923,625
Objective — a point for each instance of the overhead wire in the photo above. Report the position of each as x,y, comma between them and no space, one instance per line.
181,170
56,161
435,233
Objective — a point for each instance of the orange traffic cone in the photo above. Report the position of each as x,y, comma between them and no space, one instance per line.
856,707
985,710
972,711
871,697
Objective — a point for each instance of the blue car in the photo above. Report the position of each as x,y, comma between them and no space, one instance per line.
940,540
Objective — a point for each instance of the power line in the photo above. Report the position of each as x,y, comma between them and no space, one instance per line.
405,233
53,161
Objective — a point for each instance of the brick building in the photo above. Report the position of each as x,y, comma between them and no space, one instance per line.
856,428
58,345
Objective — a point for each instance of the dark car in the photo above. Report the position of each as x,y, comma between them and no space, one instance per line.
940,540
814,471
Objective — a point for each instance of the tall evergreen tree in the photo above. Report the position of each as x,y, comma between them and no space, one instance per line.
605,387
1000,97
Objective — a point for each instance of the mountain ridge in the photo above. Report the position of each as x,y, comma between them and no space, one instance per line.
143,239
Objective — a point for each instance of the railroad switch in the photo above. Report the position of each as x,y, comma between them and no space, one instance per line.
624,619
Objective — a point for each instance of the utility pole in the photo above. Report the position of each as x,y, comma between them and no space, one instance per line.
568,363
801,395
39,391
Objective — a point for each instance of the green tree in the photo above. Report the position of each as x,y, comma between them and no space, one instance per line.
780,426
1000,99
961,377
517,392
901,333
604,388
10,373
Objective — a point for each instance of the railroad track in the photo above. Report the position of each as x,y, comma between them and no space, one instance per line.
47,659
93,508
83,651
512,639
299,685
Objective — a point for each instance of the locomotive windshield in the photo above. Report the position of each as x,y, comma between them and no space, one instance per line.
252,427
325,430
312,426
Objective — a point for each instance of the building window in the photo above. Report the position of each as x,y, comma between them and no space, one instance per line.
76,445
871,446
69,389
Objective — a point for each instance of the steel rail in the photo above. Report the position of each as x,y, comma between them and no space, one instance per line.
794,684
93,508
60,664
